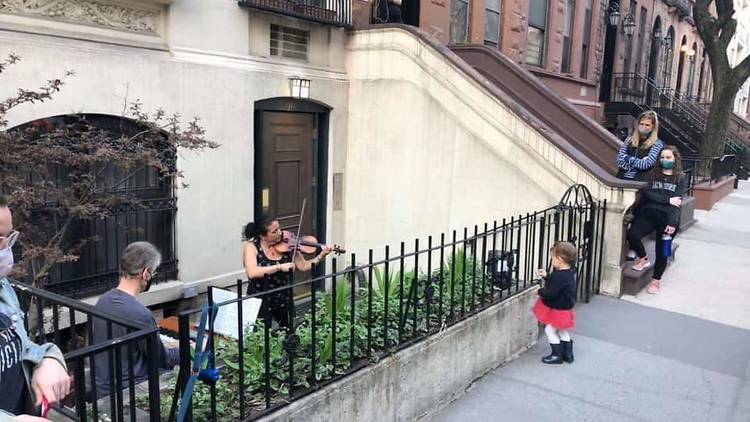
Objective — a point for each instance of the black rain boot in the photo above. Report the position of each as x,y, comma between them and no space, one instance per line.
567,347
556,356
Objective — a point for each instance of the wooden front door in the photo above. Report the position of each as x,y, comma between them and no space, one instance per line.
288,168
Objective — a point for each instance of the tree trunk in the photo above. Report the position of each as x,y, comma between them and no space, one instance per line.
717,125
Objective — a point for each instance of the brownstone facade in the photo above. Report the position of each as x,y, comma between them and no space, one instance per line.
578,83
667,49
580,49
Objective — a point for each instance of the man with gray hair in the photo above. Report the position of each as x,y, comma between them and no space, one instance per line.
138,265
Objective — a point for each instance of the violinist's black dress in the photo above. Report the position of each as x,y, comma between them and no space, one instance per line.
279,305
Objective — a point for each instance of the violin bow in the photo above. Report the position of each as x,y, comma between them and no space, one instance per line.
296,239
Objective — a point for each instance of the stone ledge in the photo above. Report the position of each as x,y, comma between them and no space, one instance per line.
707,194
429,374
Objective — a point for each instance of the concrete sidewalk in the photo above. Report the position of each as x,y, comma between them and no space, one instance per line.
681,355
633,363
710,277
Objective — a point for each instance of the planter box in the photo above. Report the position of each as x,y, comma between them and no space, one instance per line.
417,381
707,194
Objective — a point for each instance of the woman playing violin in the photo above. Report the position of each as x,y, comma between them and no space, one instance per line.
269,267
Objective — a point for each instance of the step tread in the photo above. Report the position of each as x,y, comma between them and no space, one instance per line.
634,281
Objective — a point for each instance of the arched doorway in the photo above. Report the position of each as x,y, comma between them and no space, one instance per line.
701,77
681,65
691,71
667,50
291,162
653,59
610,40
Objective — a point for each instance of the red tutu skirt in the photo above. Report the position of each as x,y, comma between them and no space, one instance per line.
558,318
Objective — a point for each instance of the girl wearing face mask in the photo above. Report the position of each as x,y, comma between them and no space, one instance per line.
659,210
640,151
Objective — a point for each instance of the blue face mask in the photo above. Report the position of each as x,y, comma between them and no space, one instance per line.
667,164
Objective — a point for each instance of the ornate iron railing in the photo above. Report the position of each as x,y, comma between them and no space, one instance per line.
374,308
330,12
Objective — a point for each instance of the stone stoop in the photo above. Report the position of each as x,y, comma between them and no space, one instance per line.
634,281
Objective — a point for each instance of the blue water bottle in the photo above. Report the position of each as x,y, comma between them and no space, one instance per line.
666,244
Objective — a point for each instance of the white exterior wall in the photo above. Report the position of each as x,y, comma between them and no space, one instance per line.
431,150
210,58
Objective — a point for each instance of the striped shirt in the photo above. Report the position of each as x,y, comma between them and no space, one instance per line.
629,162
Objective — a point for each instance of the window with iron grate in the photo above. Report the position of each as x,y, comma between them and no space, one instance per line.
289,42
152,219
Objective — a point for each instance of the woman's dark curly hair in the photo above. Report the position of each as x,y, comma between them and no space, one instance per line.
677,172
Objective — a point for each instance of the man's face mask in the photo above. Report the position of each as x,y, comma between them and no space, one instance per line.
150,274
6,254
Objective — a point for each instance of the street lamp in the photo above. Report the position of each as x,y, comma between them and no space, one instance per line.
614,14
628,25
299,88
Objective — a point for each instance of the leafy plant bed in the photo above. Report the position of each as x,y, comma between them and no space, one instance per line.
353,329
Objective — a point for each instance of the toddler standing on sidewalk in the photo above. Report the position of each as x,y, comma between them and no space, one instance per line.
554,307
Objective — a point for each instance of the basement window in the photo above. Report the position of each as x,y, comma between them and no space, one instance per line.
289,42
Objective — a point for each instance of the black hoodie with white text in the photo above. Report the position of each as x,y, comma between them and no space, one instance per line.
658,192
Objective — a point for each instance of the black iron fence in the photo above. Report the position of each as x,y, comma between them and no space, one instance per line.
331,12
69,324
707,169
367,308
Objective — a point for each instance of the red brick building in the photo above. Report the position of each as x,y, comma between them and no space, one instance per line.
573,46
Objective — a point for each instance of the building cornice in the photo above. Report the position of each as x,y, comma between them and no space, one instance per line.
132,22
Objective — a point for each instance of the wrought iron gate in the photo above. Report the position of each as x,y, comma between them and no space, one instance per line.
580,219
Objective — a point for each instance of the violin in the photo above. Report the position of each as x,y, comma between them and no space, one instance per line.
305,244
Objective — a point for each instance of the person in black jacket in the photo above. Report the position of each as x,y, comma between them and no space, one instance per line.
659,210
554,307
